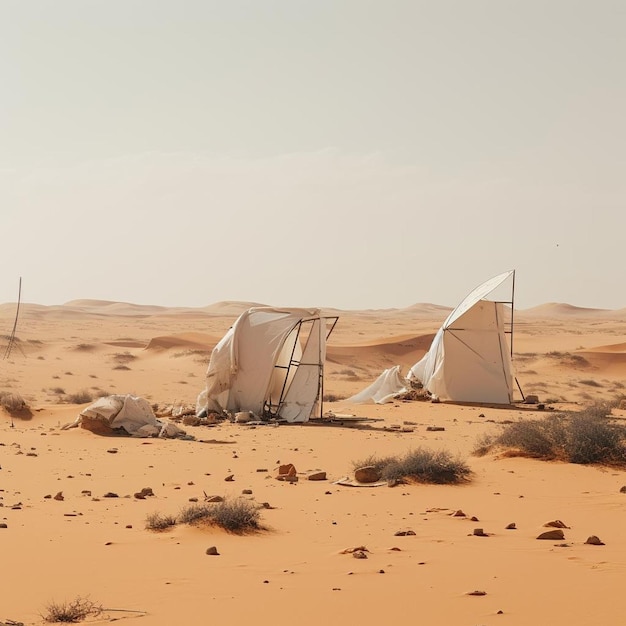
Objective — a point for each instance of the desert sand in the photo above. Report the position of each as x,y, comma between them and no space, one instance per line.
295,570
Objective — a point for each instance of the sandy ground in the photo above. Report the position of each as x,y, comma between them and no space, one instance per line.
294,570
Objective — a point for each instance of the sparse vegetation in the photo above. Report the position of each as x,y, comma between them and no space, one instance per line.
421,465
72,611
589,436
236,515
590,382
160,521
80,397
121,367
12,402
333,397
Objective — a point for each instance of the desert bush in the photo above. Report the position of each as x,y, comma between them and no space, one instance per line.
194,513
80,397
421,465
588,436
333,397
71,612
12,402
124,357
160,521
236,515
122,367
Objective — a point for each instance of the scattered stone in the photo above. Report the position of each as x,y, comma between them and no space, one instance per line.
353,550
286,471
458,513
3,525
481,415
623,489
230,478
359,554
531,399
394,549
247,492
594,541
193,499
381,571
479,532
434,428
48,496
110,494
474,519
191,420
476,593
128,526
511,526
557,523
403,533
317,476
266,505
367,474
212,551
86,492
112,450
262,469
500,612
59,496
147,491
552,535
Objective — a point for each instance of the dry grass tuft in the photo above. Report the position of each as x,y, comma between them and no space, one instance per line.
71,612
159,521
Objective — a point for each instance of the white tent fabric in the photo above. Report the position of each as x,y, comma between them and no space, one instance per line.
469,359
266,361
132,413
384,389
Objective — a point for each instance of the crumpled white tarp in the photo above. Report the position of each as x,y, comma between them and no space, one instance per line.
384,389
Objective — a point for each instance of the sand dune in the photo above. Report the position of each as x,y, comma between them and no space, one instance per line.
91,545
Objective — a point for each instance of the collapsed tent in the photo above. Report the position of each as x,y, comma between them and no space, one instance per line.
384,389
127,413
271,363
469,359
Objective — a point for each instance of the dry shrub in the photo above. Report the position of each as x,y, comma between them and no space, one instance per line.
12,402
160,521
236,515
589,436
421,465
333,397
71,612
80,397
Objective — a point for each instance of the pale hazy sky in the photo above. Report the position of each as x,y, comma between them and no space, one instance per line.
344,153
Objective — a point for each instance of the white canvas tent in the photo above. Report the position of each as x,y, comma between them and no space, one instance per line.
469,359
271,362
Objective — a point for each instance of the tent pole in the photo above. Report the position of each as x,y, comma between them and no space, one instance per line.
512,312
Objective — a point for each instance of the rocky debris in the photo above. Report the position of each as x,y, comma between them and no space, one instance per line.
476,592
261,469
86,492
623,489
511,526
531,399
434,428
404,533
317,476
212,551
287,470
230,478
193,499
474,519
110,494
552,535
353,550
112,450
59,496
213,498
359,554
557,523
191,420
367,474
458,513
479,532
247,492
3,525
593,540
267,505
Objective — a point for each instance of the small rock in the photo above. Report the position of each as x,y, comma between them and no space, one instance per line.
367,474
229,478
479,532
110,494
359,554
247,492
139,496
511,526
147,491
474,519
557,523
193,499
3,525
112,450
128,526
287,469
623,489
476,593
594,541
458,513
531,399
435,428
403,533
59,496
317,476
212,551
381,571
552,535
